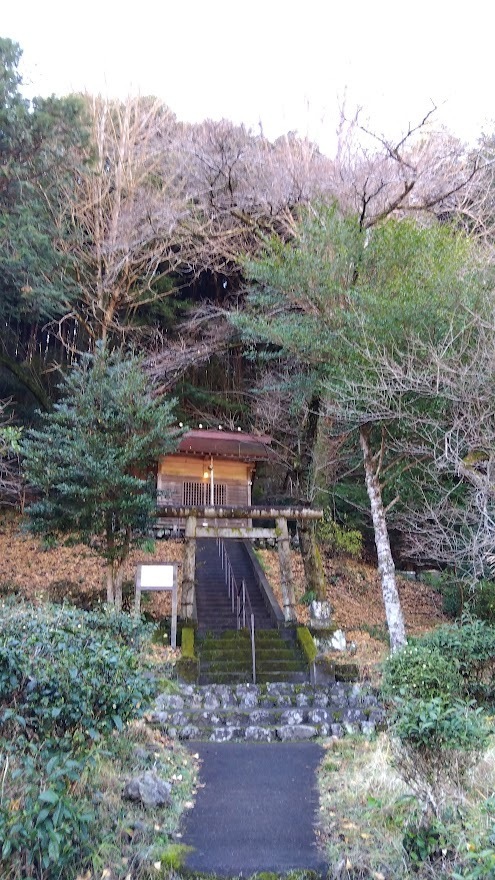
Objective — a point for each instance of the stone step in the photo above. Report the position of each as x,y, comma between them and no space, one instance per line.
268,712
275,664
240,676
244,650
210,613
211,593
269,660
269,635
227,658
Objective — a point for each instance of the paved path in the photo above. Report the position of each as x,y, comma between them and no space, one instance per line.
257,809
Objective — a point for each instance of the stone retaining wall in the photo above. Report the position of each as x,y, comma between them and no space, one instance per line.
268,713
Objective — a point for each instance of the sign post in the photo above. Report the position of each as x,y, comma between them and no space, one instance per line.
156,577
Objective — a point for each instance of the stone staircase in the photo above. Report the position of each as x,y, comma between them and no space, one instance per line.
213,607
275,712
227,658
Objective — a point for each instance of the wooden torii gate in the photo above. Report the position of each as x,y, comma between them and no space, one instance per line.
196,527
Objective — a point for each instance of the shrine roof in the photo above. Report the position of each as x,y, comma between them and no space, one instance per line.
226,444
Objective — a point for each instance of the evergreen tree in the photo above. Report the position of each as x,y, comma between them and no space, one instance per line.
39,143
90,460
337,296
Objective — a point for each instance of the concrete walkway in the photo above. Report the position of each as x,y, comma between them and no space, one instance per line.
257,810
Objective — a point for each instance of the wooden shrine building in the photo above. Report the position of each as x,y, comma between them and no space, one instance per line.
211,469
204,491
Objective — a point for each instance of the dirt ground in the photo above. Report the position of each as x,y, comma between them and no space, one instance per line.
354,592
77,574
72,571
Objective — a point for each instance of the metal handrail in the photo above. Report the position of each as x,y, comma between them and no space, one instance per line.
239,598
246,600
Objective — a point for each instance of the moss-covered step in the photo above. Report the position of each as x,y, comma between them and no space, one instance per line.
227,658
346,672
214,653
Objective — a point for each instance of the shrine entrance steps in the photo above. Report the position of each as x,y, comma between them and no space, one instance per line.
275,712
213,606
225,655
227,658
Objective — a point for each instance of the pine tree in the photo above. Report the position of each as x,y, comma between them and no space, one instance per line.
91,457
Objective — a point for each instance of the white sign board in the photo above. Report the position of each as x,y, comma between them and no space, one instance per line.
161,576
157,577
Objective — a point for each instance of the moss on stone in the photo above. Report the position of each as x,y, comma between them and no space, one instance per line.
187,665
187,643
188,670
346,672
307,644
326,666
173,858
326,632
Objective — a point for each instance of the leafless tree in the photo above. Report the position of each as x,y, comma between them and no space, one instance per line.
474,206
122,214
425,172
441,394
155,202
206,334
248,187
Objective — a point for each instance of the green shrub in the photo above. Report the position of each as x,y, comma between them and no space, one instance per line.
420,671
424,842
436,741
65,676
469,644
480,862
481,602
456,659
129,629
45,832
24,618
453,590
337,539
437,735
458,596
437,723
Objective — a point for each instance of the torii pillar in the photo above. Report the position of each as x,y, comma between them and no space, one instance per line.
286,582
188,603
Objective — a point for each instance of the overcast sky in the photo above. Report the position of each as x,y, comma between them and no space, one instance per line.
288,65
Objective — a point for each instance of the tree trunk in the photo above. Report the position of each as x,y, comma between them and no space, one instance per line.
314,574
118,578
119,568
115,565
110,545
115,577
386,567
313,568
110,592
27,378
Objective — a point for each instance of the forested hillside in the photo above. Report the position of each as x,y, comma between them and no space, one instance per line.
342,304
158,275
